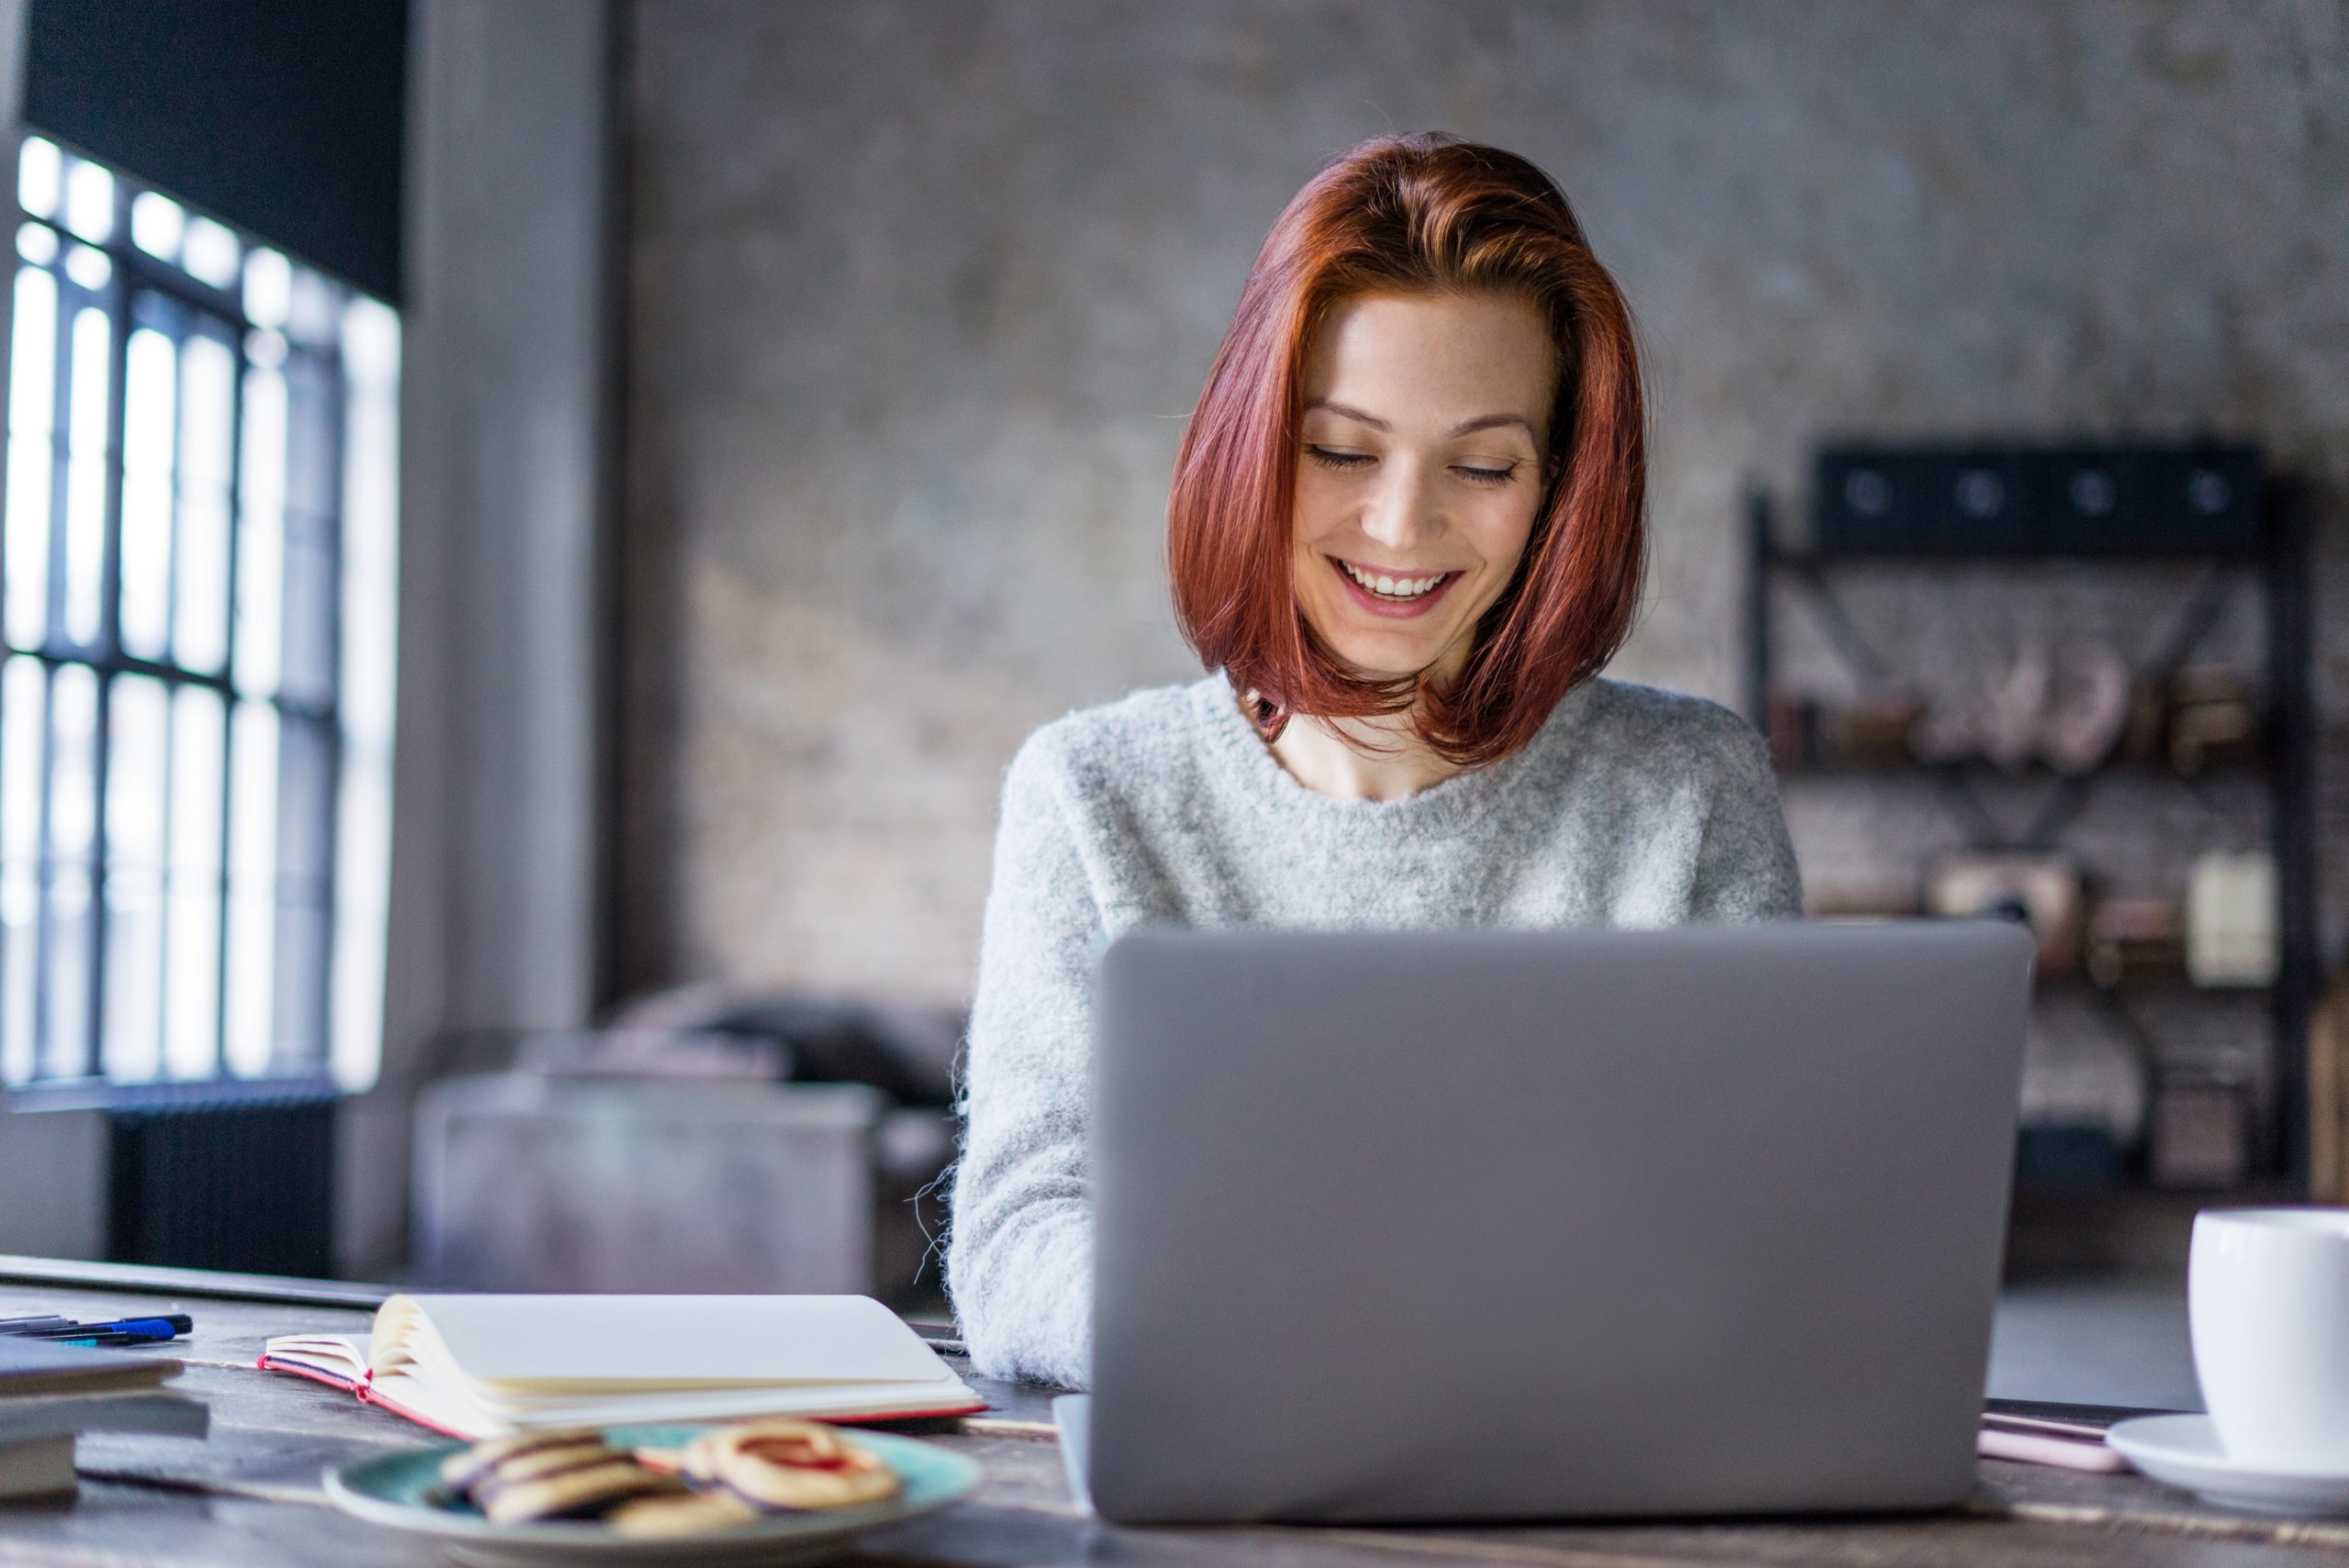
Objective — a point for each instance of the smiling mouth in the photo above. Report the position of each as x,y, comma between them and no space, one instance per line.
1393,589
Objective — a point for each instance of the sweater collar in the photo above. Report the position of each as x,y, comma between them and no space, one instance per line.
1237,755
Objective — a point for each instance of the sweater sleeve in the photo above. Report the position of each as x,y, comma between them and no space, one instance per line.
1019,1254
1745,862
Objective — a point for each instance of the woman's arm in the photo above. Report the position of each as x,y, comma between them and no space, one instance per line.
1745,863
1019,1254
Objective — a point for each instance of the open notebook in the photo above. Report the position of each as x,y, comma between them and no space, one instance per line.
478,1366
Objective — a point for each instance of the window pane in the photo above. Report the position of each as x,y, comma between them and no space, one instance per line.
73,835
269,287
371,353
305,849
89,201
149,388
192,942
306,655
23,724
261,534
138,713
313,317
200,593
301,987
310,454
253,887
88,268
157,225
39,175
85,480
32,456
210,252
310,622
37,243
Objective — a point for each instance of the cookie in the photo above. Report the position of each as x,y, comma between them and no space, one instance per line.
574,1493
461,1469
679,1514
791,1464
542,1462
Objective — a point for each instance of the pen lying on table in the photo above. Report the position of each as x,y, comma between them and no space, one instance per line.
121,1331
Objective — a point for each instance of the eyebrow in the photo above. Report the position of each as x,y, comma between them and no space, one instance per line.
1466,426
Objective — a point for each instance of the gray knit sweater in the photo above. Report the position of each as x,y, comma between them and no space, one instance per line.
1632,806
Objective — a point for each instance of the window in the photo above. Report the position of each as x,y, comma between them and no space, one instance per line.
196,605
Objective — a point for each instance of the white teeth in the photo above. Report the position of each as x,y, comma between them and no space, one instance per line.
1392,588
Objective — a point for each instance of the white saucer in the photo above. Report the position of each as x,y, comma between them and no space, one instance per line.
2184,1450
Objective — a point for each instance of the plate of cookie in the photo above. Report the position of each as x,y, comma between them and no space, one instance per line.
780,1492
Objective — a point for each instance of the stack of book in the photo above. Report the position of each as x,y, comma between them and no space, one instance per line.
50,1393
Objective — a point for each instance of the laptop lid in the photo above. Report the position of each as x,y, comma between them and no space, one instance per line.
1495,1224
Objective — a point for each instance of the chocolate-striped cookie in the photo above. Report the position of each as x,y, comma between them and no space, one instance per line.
539,1464
574,1493
461,1469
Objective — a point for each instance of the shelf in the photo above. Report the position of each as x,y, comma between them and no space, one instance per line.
2272,541
2034,771
1807,554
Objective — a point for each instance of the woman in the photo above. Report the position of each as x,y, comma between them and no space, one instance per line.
1405,533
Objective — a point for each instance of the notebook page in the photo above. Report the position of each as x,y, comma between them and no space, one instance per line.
558,1344
458,1410
342,1356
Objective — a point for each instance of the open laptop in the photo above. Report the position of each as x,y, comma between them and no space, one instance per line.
1506,1224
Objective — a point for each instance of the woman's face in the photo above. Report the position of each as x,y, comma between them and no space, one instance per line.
1419,470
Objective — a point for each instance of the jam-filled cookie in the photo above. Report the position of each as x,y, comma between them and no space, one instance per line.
790,1464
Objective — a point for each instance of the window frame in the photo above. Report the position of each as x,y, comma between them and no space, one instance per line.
316,523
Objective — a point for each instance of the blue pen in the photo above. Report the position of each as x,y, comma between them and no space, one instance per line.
121,1331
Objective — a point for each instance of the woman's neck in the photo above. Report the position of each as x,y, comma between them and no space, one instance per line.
1359,758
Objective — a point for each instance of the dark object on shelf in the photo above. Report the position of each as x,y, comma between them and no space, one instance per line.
1874,731
1790,725
2328,1049
1914,508
2205,735
2042,891
2065,1156
2038,500
2198,1132
2136,938
1859,901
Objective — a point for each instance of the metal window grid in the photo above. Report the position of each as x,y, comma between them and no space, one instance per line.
143,292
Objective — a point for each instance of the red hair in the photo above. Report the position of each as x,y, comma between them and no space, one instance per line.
1417,214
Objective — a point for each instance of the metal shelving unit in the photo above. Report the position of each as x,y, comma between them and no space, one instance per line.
2277,556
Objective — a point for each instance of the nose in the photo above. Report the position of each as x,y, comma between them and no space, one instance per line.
1401,513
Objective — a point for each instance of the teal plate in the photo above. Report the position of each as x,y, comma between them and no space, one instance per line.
399,1489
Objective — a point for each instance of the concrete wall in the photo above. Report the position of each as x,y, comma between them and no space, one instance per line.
921,295
508,491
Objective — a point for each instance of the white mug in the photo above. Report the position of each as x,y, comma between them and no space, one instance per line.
2268,1302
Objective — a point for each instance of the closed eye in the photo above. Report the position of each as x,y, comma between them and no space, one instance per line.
1327,458
1486,475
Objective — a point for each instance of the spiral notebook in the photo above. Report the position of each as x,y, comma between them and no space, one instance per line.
478,1366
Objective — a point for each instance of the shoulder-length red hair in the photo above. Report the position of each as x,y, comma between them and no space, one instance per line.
1424,214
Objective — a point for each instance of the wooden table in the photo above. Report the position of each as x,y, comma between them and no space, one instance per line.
248,1496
